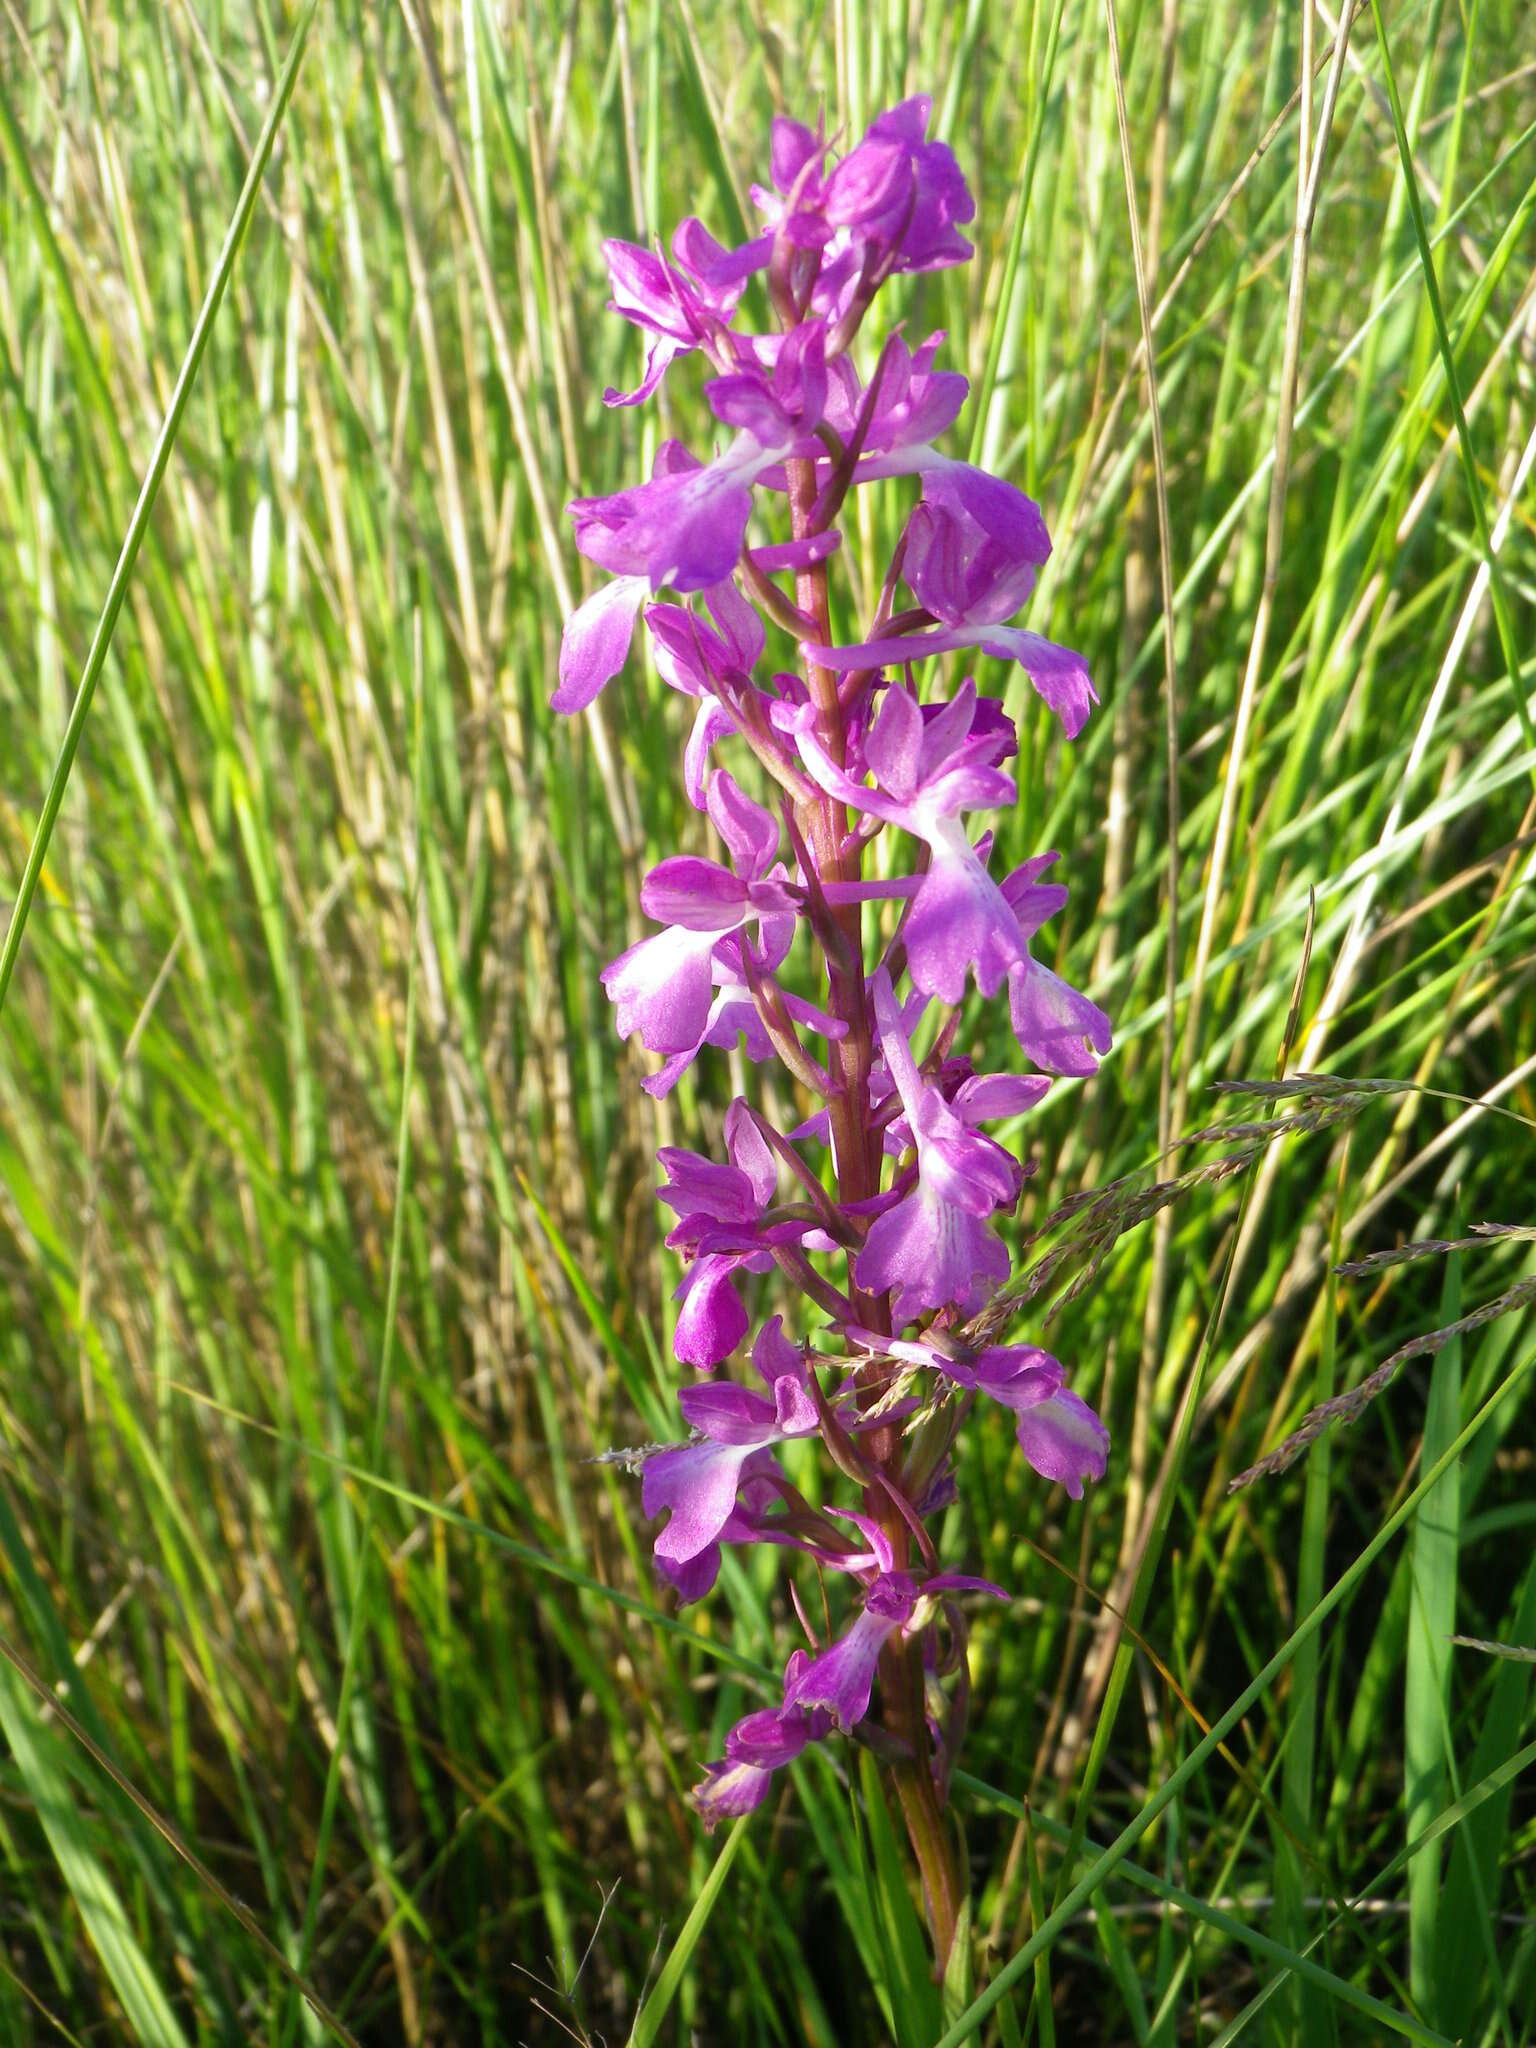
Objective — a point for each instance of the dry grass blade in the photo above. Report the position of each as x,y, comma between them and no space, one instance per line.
1093,1220
1515,1652
1298,990
1432,1248
1165,573
421,35
1349,1407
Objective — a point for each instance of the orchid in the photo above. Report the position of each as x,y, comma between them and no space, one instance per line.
681,312
973,545
699,1481
880,1269
661,985
928,773
934,1248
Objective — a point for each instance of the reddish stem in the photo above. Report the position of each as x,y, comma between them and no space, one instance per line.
857,1154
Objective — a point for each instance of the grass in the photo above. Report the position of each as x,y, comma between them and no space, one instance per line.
328,1264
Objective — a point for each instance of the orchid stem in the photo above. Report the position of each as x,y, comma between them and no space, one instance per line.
856,1152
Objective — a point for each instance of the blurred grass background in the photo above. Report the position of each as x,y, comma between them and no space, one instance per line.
311,1323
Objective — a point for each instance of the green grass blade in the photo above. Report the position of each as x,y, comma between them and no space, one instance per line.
1263,1947
1503,618
1083,1890
1427,1669
154,475
659,1999
358,1602
1480,1850
39,1758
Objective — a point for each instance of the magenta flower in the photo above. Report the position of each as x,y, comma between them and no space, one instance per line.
934,1249
750,1521
902,197
839,1681
894,203
908,404
685,527
595,643
755,1748
661,985
733,1018
902,1220
1058,1432
694,658
829,1691
720,1229
698,1482
1059,1029
928,773
679,314
973,546
778,402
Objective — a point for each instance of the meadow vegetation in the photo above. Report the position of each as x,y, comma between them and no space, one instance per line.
338,1693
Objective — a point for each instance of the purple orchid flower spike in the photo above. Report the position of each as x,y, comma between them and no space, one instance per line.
904,1239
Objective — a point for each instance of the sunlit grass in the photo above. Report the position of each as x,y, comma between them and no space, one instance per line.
402,1682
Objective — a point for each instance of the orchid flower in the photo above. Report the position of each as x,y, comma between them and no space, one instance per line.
883,1251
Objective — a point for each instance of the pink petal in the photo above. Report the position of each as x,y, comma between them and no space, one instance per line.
1051,1021
894,746
661,989
1064,1440
959,921
595,643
